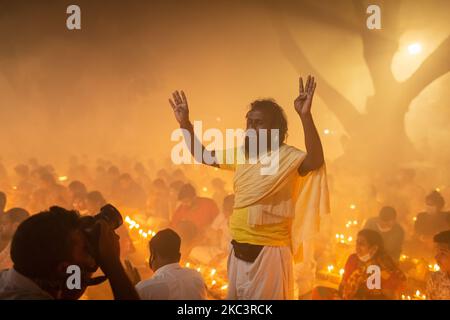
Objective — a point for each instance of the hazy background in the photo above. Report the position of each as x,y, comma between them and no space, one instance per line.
103,89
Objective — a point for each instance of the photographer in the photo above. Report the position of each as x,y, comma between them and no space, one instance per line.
43,247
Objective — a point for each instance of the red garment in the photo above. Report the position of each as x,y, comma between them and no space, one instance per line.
354,281
202,213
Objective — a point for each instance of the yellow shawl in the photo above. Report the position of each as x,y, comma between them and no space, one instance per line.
284,195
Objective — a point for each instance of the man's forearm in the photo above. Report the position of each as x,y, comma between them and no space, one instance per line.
314,158
121,285
193,141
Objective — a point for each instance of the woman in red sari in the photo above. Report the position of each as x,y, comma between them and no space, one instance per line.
369,252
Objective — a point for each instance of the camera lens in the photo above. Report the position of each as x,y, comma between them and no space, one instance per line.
111,215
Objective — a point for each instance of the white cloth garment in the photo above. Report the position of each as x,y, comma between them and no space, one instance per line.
269,277
172,282
14,286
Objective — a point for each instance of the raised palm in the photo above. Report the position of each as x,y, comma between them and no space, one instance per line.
304,100
180,107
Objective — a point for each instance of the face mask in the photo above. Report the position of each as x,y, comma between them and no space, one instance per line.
365,257
431,209
383,229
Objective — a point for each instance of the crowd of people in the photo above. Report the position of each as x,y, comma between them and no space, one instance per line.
57,223
41,234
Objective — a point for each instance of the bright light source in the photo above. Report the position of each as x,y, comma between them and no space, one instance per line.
415,48
326,131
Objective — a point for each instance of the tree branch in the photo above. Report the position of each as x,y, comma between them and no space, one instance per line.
435,65
310,10
379,46
338,104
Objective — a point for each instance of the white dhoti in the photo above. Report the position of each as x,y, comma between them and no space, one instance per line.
269,277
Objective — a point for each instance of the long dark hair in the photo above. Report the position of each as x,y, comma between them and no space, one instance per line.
276,113
373,238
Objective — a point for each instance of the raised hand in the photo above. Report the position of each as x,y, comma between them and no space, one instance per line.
132,272
304,100
180,107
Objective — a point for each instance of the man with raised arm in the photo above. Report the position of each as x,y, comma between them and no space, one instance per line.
273,213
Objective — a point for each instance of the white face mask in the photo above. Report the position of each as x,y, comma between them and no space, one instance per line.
365,257
431,209
383,229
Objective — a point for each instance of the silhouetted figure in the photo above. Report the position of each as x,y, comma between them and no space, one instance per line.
127,193
45,244
170,281
49,193
197,210
24,186
438,284
433,220
158,200
8,226
392,233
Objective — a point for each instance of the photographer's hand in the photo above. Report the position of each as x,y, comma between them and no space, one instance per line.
109,262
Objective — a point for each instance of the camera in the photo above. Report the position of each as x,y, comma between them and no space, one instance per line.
91,229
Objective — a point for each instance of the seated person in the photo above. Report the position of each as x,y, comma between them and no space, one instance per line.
170,281
391,231
433,220
198,210
369,251
218,239
77,194
438,285
8,225
46,244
